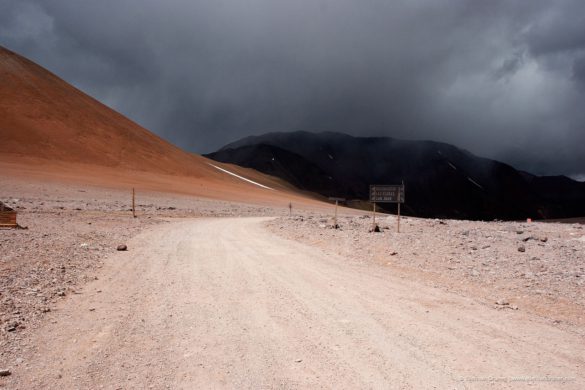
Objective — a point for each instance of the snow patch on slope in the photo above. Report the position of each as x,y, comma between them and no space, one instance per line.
474,182
240,177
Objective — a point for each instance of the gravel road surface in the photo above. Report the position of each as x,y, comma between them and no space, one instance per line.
223,303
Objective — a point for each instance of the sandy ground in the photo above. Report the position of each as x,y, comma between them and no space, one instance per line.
72,229
209,296
221,303
536,267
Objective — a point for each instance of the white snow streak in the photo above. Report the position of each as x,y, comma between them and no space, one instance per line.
240,177
474,182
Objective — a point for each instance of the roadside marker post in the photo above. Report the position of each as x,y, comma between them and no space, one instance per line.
337,200
133,202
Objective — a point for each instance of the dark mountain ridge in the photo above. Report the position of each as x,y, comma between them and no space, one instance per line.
441,180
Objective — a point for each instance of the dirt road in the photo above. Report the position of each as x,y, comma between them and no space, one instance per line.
222,303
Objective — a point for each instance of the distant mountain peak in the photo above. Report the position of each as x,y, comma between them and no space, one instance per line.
441,179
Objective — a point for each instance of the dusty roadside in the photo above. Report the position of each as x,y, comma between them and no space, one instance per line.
70,230
535,267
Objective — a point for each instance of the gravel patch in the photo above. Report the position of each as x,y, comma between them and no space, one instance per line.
69,230
540,266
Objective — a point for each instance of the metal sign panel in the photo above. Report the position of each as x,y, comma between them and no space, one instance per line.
337,199
387,193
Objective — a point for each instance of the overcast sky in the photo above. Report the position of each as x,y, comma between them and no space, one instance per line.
502,78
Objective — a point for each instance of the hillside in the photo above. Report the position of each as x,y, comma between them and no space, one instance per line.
51,130
43,116
441,180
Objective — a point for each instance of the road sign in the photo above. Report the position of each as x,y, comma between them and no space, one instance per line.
387,193
337,199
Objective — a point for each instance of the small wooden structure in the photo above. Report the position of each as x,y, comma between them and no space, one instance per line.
7,217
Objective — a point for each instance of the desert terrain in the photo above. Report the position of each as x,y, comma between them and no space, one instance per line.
221,294
536,267
217,284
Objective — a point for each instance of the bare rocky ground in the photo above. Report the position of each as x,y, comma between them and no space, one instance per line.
69,231
73,229
535,267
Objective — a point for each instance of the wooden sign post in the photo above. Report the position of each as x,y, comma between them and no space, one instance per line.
337,200
400,200
398,220
133,203
387,194
290,209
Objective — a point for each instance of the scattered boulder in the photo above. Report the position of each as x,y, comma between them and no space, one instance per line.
375,229
521,248
122,247
5,372
541,238
502,302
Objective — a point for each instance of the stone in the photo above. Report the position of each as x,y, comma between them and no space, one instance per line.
122,247
502,302
5,372
521,248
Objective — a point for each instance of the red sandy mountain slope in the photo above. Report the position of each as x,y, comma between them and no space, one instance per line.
50,129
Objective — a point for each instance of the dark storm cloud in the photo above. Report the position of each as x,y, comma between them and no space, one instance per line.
503,78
